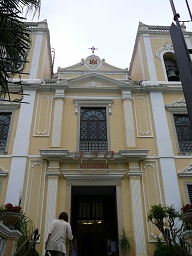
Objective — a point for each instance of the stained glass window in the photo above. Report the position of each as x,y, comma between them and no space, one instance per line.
5,119
184,132
93,129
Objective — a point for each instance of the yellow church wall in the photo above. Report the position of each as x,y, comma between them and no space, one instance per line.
47,66
26,69
5,163
44,63
144,59
93,93
116,76
144,123
116,126
169,99
136,73
71,75
127,215
156,44
34,192
69,129
41,123
12,131
42,59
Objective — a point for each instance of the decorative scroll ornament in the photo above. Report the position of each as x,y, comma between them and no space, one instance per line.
166,48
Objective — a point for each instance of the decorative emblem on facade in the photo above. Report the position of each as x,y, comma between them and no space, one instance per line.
93,84
93,62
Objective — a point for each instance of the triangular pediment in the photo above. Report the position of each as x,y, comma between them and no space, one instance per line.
92,62
186,172
95,81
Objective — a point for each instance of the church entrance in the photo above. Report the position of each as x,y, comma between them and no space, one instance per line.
94,221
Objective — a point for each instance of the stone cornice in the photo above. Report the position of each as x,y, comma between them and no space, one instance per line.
123,156
108,176
134,174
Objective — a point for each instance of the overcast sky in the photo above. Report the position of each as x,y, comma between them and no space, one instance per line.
109,25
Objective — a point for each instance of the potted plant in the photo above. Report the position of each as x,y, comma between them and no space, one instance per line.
186,214
10,214
125,242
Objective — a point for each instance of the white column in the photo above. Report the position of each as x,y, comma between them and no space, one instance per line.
36,55
58,119
137,214
165,151
20,150
128,119
52,190
150,58
119,202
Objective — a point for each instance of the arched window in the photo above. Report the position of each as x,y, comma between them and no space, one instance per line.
171,67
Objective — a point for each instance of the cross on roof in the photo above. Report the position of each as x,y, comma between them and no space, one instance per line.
93,49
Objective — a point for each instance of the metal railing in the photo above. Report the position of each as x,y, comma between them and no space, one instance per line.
184,246
28,245
91,145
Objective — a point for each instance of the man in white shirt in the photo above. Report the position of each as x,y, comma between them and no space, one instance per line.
59,232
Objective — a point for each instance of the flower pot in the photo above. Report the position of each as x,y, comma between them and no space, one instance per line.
187,217
10,218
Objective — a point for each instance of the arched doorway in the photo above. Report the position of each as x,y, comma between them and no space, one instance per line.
94,221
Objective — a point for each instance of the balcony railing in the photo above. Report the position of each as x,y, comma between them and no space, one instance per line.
90,145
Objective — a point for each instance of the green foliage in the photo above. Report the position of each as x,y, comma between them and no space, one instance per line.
26,227
125,241
164,250
14,37
157,213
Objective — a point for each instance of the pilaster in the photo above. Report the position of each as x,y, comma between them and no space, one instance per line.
52,175
135,175
128,119
20,149
58,118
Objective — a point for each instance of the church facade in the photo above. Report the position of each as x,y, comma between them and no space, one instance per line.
99,142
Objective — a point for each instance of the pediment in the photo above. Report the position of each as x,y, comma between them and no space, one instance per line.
95,81
3,173
186,172
177,106
92,63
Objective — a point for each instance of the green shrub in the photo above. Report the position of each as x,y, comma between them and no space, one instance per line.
164,250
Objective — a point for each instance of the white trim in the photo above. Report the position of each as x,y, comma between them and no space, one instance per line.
36,55
137,216
51,204
16,180
142,63
149,56
164,144
44,56
128,119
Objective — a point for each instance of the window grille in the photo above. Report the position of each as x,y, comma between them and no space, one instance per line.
93,129
91,207
189,189
184,132
5,119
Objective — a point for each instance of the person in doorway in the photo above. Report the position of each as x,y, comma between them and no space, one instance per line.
59,232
